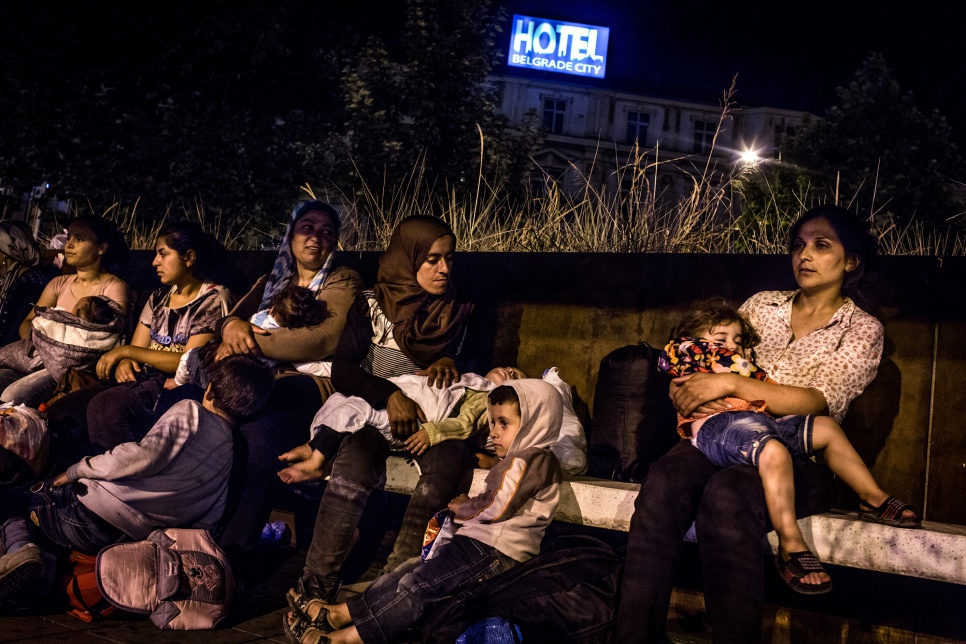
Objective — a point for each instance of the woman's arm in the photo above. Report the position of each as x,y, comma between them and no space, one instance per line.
235,333
128,358
47,298
318,342
347,376
702,393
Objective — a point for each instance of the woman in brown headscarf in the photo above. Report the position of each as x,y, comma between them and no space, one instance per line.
412,321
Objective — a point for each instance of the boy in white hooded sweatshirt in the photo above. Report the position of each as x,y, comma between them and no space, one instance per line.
498,528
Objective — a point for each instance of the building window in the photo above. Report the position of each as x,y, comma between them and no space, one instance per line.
703,135
637,123
553,115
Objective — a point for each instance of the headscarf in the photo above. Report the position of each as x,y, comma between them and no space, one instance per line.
284,267
426,327
19,245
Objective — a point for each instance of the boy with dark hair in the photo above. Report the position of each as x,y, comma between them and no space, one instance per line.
175,477
498,528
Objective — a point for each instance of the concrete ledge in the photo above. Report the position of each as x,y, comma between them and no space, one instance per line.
937,551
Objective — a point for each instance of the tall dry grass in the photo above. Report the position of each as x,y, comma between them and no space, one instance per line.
581,214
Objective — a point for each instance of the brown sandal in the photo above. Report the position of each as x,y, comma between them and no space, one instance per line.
890,513
794,569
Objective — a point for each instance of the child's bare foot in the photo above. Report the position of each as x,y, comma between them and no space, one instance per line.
297,455
306,469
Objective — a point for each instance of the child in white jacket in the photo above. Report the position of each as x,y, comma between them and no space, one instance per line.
498,528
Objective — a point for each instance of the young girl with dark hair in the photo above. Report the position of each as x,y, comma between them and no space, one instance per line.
179,316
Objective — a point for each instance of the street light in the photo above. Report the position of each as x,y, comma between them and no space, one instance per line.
749,156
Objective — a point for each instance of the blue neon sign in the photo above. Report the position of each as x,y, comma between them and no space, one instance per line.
558,46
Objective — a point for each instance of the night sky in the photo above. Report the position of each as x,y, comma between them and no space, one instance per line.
786,55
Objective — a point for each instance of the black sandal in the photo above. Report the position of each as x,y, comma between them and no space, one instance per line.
299,603
890,513
794,569
300,630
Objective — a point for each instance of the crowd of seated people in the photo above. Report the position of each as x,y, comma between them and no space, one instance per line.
201,409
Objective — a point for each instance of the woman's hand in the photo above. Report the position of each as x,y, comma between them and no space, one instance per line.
238,336
112,361
700,394
441,373
405,415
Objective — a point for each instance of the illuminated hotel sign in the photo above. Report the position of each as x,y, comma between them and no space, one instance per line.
557,46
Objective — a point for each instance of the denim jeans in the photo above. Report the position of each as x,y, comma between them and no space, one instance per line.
30,390
8,377
396,601
737,437
358,468
59,516
731,520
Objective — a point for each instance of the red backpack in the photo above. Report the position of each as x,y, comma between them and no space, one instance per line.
79,584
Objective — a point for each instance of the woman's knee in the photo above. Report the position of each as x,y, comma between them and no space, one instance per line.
109,417
733,500
29,390
361,457
449,458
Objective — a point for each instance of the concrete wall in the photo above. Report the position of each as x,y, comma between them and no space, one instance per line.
570,310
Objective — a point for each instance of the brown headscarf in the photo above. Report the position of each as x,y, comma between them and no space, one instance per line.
426,327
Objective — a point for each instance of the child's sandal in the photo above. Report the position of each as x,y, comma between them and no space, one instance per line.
299,631
890,513
796,567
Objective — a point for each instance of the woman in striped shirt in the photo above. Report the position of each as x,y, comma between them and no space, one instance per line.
412,321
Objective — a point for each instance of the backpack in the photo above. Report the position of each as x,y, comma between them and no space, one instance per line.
568,593
23,432
178,576
79,584
634,420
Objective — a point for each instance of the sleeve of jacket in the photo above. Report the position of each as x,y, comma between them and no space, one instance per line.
509,485
139,460
464,424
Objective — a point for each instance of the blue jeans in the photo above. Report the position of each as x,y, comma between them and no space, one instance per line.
736,437
30,390
728,509
67,522
395,602
60,517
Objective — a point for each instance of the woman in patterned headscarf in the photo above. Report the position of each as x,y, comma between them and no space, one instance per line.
22,277
304,259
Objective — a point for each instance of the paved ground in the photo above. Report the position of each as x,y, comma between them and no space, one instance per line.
864,608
